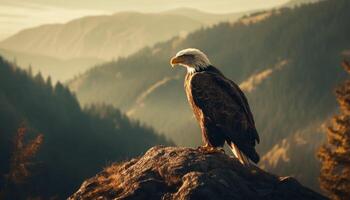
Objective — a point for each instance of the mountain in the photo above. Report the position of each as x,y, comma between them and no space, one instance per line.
285,60
76,142
183,173
58,69
103,37
109,36
65,50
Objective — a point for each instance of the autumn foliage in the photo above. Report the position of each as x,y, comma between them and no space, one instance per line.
22,155
335,154
20,164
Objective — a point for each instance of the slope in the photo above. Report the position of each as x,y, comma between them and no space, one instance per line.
74,138
110,36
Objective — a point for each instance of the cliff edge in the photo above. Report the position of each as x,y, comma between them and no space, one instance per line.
185,173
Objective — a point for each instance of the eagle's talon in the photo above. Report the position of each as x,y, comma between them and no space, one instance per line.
202,148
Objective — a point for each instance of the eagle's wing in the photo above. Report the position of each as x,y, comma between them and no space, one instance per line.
226,106
246,107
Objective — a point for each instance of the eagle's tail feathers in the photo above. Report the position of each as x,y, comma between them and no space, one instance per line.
239,155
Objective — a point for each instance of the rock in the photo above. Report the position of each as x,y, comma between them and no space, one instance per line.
185,173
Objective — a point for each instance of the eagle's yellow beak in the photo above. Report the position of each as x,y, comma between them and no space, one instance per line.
176,60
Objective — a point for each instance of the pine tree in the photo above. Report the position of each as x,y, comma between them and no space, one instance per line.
335,154
30,70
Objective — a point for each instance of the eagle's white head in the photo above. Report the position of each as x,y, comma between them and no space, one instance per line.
193,59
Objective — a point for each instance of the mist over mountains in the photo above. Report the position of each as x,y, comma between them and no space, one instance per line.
64,50
103,37
290,103
58,69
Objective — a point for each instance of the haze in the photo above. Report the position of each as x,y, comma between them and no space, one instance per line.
16,15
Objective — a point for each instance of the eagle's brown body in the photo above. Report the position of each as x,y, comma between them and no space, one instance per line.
222,111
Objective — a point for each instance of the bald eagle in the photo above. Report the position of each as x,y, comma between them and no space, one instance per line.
219,106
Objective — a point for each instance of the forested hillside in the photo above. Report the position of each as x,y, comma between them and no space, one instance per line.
76,143
287,60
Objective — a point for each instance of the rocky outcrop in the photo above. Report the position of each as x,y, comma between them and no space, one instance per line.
186,173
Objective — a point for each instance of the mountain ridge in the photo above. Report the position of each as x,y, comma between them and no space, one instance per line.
90,25
93,39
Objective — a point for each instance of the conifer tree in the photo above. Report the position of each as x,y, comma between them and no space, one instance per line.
335,154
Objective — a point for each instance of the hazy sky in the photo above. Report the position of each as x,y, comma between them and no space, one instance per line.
19,14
